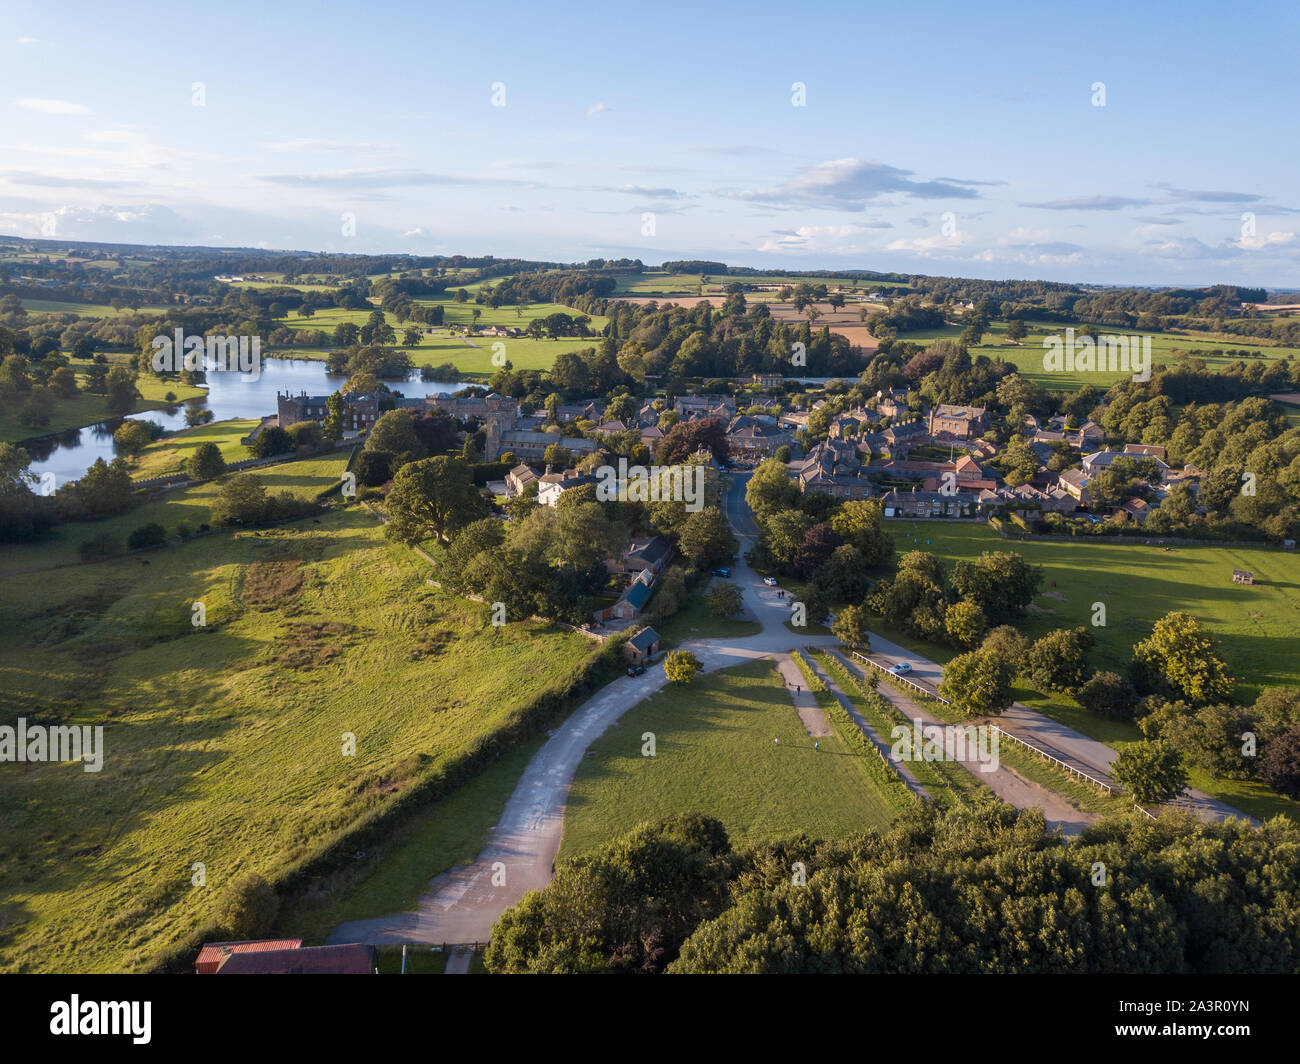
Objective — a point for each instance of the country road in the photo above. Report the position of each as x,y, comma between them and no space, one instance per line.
463,903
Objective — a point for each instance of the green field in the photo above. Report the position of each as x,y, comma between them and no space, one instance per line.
223,743
304,477
1027,356
715,754
85,409
87,310
1259,625
168,454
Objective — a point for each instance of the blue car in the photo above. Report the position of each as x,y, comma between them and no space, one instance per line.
722,572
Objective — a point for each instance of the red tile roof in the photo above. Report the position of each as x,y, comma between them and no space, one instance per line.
352,959
210,956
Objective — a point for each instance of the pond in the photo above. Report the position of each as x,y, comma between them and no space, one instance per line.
230,395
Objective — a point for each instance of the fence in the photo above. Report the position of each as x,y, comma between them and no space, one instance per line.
1057,761
901,679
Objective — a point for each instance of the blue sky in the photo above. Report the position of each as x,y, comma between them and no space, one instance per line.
938,138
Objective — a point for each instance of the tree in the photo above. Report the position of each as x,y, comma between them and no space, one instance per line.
122,391
1280,765
725,600
680,666
1016,330
332,429
1179,659
687,437
977,682
850,628
375,468
63,382
1276,710
815,549
770,488
206,462
248,909
1008,643
197,415
965,624
434,494
394,432
1058,660
271,441
860,522
1002,583
706,539
1108,694
1151,771
38,407
242,500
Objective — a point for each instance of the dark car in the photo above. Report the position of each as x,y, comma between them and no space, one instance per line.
635,670
722,572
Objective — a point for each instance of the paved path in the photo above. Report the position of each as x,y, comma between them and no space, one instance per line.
1074,748
1005,782
913,784
812,715
463,903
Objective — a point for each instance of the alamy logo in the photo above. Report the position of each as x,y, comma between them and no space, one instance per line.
102,1017
933,742
59,743
1105,354
654,484
220,354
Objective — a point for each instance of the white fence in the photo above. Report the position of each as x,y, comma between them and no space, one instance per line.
900,679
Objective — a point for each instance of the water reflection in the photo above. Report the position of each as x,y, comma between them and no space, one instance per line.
230,395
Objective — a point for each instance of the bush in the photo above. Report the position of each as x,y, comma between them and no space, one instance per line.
375,468
248,909
1280,765
98,546
1108,694
150,535
205,463
680,666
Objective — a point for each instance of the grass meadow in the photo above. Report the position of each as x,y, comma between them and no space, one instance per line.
223,744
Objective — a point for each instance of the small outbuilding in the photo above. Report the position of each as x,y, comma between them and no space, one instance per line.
1243,576
643,646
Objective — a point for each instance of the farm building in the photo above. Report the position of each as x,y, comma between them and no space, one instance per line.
1243,576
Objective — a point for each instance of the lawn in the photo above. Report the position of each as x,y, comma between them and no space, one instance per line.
1027,356
715,754
224,745
695,621
168,454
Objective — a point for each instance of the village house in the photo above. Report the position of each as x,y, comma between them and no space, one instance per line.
1136,510
1144,450
962,422
751,438
705,405
518,479
551,486
651,552
768,380
916,503
1075,482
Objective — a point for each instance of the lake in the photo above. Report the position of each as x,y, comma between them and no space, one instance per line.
230,395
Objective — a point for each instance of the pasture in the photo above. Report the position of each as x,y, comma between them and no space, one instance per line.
1027,356
224,745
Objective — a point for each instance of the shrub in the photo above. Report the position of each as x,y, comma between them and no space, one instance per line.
248,909
150,535
98,546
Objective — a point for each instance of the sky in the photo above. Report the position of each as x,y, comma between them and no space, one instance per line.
1106,143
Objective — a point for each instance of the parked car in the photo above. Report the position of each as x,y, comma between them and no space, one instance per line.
722,572
770,581
901,669
635,670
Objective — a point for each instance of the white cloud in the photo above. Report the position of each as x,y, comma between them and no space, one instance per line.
53,107
598,109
